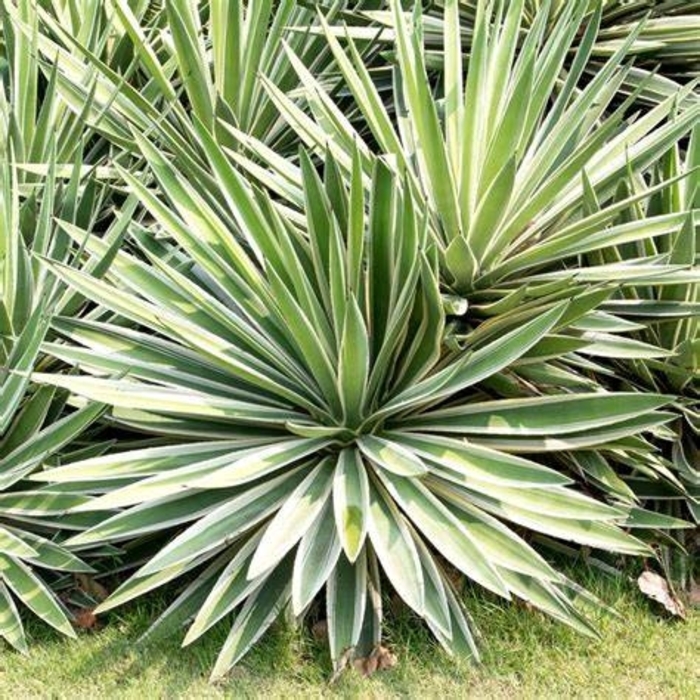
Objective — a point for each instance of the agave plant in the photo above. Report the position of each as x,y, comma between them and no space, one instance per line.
319,432
523,192
322,356
36,425
665,48
152,65
669,319
506,184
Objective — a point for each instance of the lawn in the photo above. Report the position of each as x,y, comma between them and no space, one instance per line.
640,655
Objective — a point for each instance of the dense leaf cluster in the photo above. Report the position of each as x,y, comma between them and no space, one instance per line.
301,304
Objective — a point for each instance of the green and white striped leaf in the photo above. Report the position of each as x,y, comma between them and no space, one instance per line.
351,502
294,519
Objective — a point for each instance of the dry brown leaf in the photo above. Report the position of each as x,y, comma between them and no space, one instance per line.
386,659
93,588
367,666
656,587
85,619
380,659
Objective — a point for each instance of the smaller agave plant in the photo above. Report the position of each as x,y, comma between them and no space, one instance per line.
317,434
504,155
36,425
37,140
667,315
666,50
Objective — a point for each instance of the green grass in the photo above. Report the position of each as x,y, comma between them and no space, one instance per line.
640,655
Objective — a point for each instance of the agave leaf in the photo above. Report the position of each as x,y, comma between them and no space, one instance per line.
16,375
50,555
190,53
39,503
148,461
461,642
608,435
259,461
258,613
12,545
594,534
395,548
294,519
26,457
391,456
474,462
353,369
28,420
186,605
347,602
140,395
432,157
231,588
151,516
141,584
431,517
225,523
547,597
437,611
34,594
140,41
316,558
351,502
551,415
11,627
501,546
474,368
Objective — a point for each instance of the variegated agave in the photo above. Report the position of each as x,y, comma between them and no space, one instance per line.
324,418
517,168
665,49
540,187
36,425
668,316
316,430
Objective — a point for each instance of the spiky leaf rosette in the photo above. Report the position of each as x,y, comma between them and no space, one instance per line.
667,316
505,155
41,176
152,65
319,433
529,179
666,51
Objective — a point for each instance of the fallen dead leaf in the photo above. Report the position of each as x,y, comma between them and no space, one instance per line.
656,587
386,659
365,667
380,659
85,619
